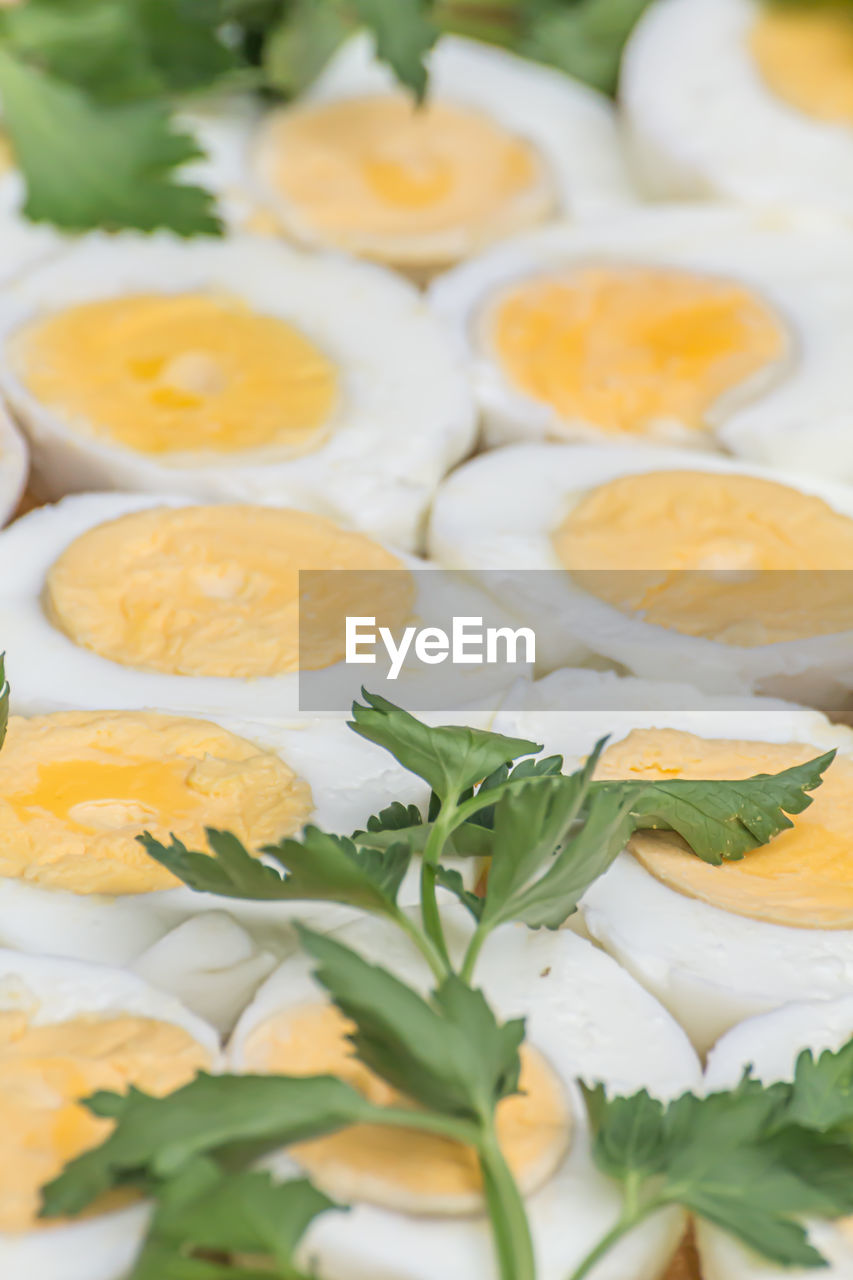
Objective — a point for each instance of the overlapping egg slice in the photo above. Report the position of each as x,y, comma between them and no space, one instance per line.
682,325
769,1046
418,1203
68,1029
239,369
714,944
734,577
744,100
501,145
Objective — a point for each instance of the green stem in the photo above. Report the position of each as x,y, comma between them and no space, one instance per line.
633,1214
426,1122
507,1212
438,964
430,858
472,955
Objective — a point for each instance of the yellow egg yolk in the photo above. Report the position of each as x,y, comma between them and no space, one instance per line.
215,591
802,878
732,558
403,1169
176,373
382,166
805,56
632,349
44,1072
78,787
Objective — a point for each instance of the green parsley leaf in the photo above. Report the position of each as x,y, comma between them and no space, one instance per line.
822,1094
722,821
451,880
585,38
449,1052
297,50
88,165
450,758
404,34
232,872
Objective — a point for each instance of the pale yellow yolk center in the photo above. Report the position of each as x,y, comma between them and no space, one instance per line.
802,878
77,788
730,557
403,1169
180,373
805,56
632,349
382,166
215,591
46,1070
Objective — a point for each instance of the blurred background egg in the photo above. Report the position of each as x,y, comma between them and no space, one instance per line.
14,466
239,369
501,145
742,99
68,1029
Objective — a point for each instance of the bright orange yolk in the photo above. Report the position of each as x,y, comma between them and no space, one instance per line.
382,166
215,591
78,787
406,1170
44,1072
730,557
805,56
802,878
632,349
180,373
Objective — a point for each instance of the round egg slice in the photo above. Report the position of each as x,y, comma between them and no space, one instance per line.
744,100
131,600
14,466
68,1029
713,944
701,327
417,1202
501,145
724,573
238,369
769,1046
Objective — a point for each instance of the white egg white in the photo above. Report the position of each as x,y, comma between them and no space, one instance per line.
590,1020
701,121
770,1045
405,413
22,243
572,127
709,967
53,991
494,519
795,413
14,466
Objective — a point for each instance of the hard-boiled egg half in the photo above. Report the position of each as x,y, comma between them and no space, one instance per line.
501,145
236,369
68,1029
78,787
131,600
715,944
417,1201
691,566
769,1046
743,99
682,325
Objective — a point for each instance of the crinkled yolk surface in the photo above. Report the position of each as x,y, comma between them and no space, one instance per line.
214,591
46,1069
165,373
406,1170
802,878
732,558
382,166
631,349
77,788
805,56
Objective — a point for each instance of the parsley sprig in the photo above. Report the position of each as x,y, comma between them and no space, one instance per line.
547,836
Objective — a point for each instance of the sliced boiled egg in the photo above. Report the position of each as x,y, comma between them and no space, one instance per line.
714,944
236,369
702,327
721,572
68,1029
769,1046
14,466
417,1201
745,100
131,600
501,145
